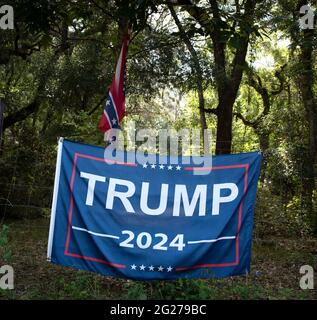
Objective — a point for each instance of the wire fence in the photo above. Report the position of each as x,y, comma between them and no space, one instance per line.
26,184
26,190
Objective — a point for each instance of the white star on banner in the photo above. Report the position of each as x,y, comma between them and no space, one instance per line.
169,167
145,165
142,267
153,166
151,268
169,269
114,121
178,168
133,267
160,268
108,103
161,167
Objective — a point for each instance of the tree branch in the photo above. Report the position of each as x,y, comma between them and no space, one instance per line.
244,120
238,62
197,68
20,115
97,105
213,111
279,76
33,106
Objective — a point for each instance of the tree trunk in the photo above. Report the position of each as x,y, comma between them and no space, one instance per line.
308,186
203,122
227,74
224,122
264,139
306,88
1,126
228,87
197,70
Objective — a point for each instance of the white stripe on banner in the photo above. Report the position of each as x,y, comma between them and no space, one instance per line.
95,233
55,194
211,240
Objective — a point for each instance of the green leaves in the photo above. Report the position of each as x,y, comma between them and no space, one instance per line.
235,41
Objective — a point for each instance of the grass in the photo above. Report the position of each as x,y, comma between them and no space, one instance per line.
274,273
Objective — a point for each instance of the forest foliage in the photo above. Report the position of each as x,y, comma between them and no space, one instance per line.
245,69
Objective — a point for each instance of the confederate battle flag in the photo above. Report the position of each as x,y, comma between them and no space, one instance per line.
114,108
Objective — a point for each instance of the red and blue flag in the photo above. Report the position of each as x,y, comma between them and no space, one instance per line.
114,109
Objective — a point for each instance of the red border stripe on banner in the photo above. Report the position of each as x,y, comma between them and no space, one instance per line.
70,214
236,262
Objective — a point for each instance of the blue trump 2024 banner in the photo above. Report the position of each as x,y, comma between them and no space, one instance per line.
151,220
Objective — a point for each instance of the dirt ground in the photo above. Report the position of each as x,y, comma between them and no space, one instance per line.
274,273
